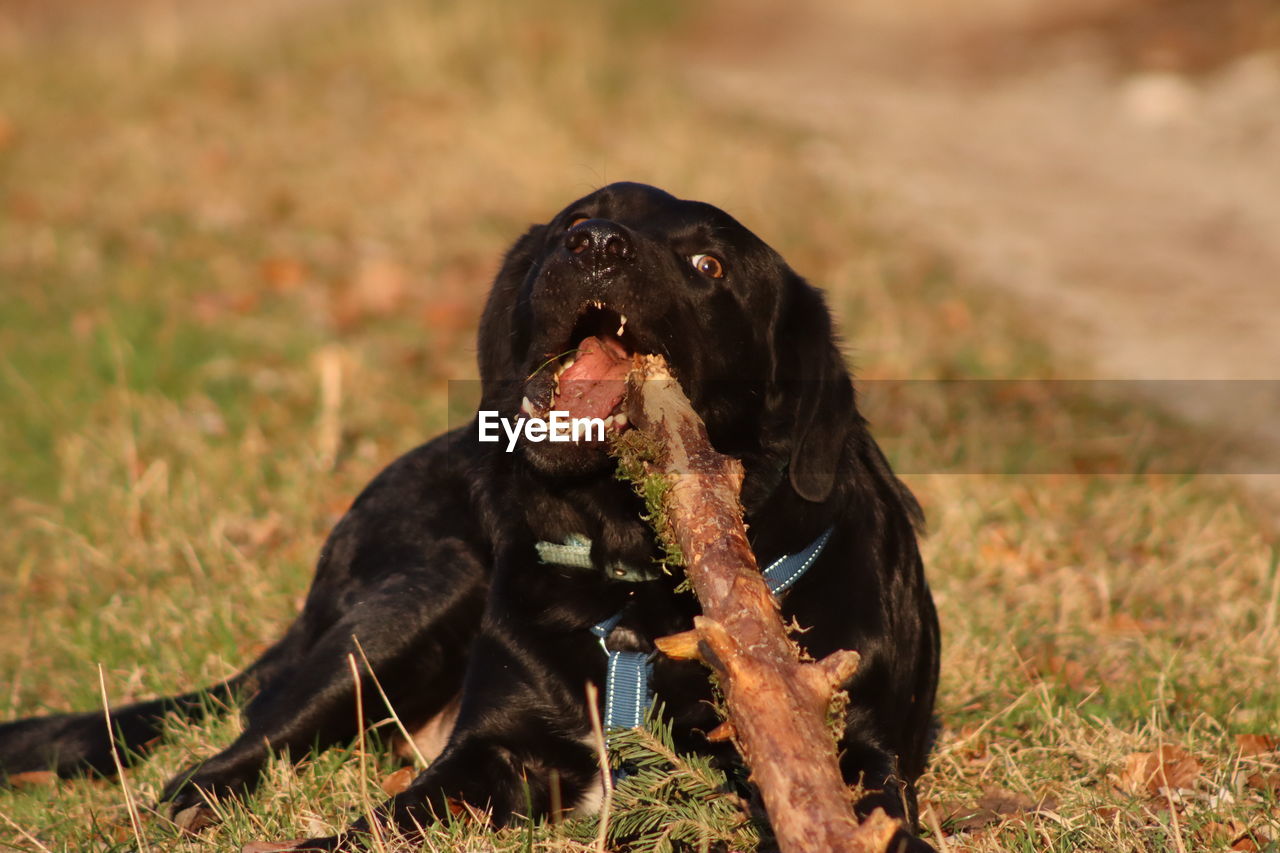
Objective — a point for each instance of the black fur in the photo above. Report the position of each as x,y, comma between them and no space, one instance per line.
434,567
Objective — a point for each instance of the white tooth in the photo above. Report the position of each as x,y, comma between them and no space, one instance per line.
620,419
621,326
567,365
526,406
610,422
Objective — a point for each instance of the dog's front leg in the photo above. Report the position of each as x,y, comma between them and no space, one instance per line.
522,746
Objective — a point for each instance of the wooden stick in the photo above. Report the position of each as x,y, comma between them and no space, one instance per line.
777,703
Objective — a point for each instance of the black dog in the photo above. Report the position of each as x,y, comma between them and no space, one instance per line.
436,568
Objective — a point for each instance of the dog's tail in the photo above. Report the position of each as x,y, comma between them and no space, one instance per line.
81,743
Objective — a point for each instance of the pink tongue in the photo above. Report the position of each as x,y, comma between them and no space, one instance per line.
597,381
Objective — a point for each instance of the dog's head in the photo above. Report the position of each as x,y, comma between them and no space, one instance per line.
631,269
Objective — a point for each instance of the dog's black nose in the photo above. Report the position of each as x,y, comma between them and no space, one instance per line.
598,244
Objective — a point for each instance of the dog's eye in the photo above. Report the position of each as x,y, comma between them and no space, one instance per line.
708,265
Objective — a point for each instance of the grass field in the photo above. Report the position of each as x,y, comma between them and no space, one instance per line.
238,268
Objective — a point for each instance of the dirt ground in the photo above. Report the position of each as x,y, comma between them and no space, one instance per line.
1112,164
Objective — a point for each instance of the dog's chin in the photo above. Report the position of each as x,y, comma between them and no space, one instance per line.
567,459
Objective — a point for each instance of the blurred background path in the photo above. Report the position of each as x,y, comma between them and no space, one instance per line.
1114,165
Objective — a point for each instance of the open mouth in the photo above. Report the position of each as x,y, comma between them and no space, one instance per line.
589,378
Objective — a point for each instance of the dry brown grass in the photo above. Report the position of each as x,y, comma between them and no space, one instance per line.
240,270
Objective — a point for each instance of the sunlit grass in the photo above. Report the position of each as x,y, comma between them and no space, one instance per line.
196,242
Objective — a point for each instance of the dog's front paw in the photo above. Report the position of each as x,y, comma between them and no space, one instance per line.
189,804
192,806
193,795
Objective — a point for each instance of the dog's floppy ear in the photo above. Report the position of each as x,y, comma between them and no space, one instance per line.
815,381
497,342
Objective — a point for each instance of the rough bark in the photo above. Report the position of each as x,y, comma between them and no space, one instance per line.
778,704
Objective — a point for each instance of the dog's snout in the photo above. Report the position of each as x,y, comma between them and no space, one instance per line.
599,244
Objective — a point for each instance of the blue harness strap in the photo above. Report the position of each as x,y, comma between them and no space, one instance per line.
626,685
626,692
787,569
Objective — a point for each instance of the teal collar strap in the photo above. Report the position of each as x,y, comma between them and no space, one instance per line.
575,553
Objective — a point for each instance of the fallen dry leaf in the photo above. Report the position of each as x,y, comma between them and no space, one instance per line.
257,533
994,806
443,315
1151,772
1252,842
1126,625
83,324
1268,783
33,779
1005,802
972,745
195,818
378,288
270,846
1256,744
1047,664
1071,672
1219,834
956,315
396,782
282,274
